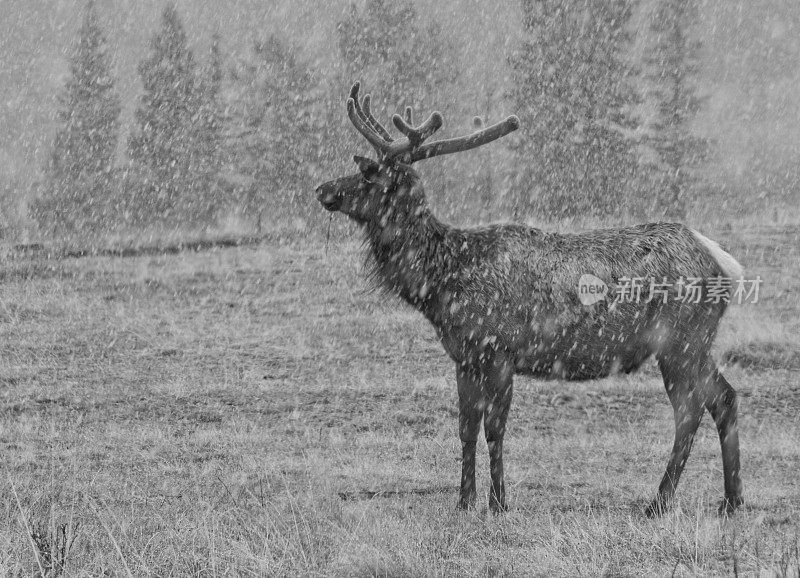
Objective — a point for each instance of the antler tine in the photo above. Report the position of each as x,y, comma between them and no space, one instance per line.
366,131
464,143
423,131
362,124
379,128
354,94
409,116
357,102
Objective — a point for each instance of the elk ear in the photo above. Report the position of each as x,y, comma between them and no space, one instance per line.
368,168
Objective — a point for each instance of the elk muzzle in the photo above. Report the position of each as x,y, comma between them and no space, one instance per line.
328,196
333,194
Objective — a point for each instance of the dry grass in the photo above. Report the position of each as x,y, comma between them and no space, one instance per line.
254,410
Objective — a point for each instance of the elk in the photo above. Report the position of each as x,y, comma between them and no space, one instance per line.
504,299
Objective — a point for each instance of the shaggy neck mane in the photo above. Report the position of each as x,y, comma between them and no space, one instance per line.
411,256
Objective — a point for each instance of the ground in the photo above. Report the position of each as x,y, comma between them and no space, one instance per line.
258,410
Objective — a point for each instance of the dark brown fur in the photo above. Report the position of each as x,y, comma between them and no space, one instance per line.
504,300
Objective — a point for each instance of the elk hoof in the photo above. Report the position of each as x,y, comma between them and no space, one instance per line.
727,507
656,509
497,507
467,502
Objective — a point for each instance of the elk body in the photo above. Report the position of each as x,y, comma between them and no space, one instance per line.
504,300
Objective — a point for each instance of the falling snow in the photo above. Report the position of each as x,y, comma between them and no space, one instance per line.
270,267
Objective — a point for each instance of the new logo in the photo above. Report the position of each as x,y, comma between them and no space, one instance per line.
591,289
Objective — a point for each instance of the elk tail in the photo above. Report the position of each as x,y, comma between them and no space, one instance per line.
730,266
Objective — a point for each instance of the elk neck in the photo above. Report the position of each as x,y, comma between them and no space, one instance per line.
409,249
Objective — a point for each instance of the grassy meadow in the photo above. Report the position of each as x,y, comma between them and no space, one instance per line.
256,410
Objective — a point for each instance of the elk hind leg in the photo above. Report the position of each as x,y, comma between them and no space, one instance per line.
721,402
688,412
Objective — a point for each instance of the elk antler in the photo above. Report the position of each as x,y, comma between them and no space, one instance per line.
411,148
466,142
387,148
373,121
378,137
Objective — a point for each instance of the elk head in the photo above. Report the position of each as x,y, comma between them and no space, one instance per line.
387,188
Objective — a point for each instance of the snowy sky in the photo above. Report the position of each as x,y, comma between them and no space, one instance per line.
751,63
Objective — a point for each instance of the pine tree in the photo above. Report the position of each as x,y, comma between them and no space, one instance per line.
672,68
209,154
402,61
572,90
164,140
79,173
280,123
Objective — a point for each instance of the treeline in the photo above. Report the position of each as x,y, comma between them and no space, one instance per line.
213,140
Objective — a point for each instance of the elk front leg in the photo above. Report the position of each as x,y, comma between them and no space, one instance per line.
499,387
470,409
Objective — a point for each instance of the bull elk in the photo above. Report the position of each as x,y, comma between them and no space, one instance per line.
504,299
